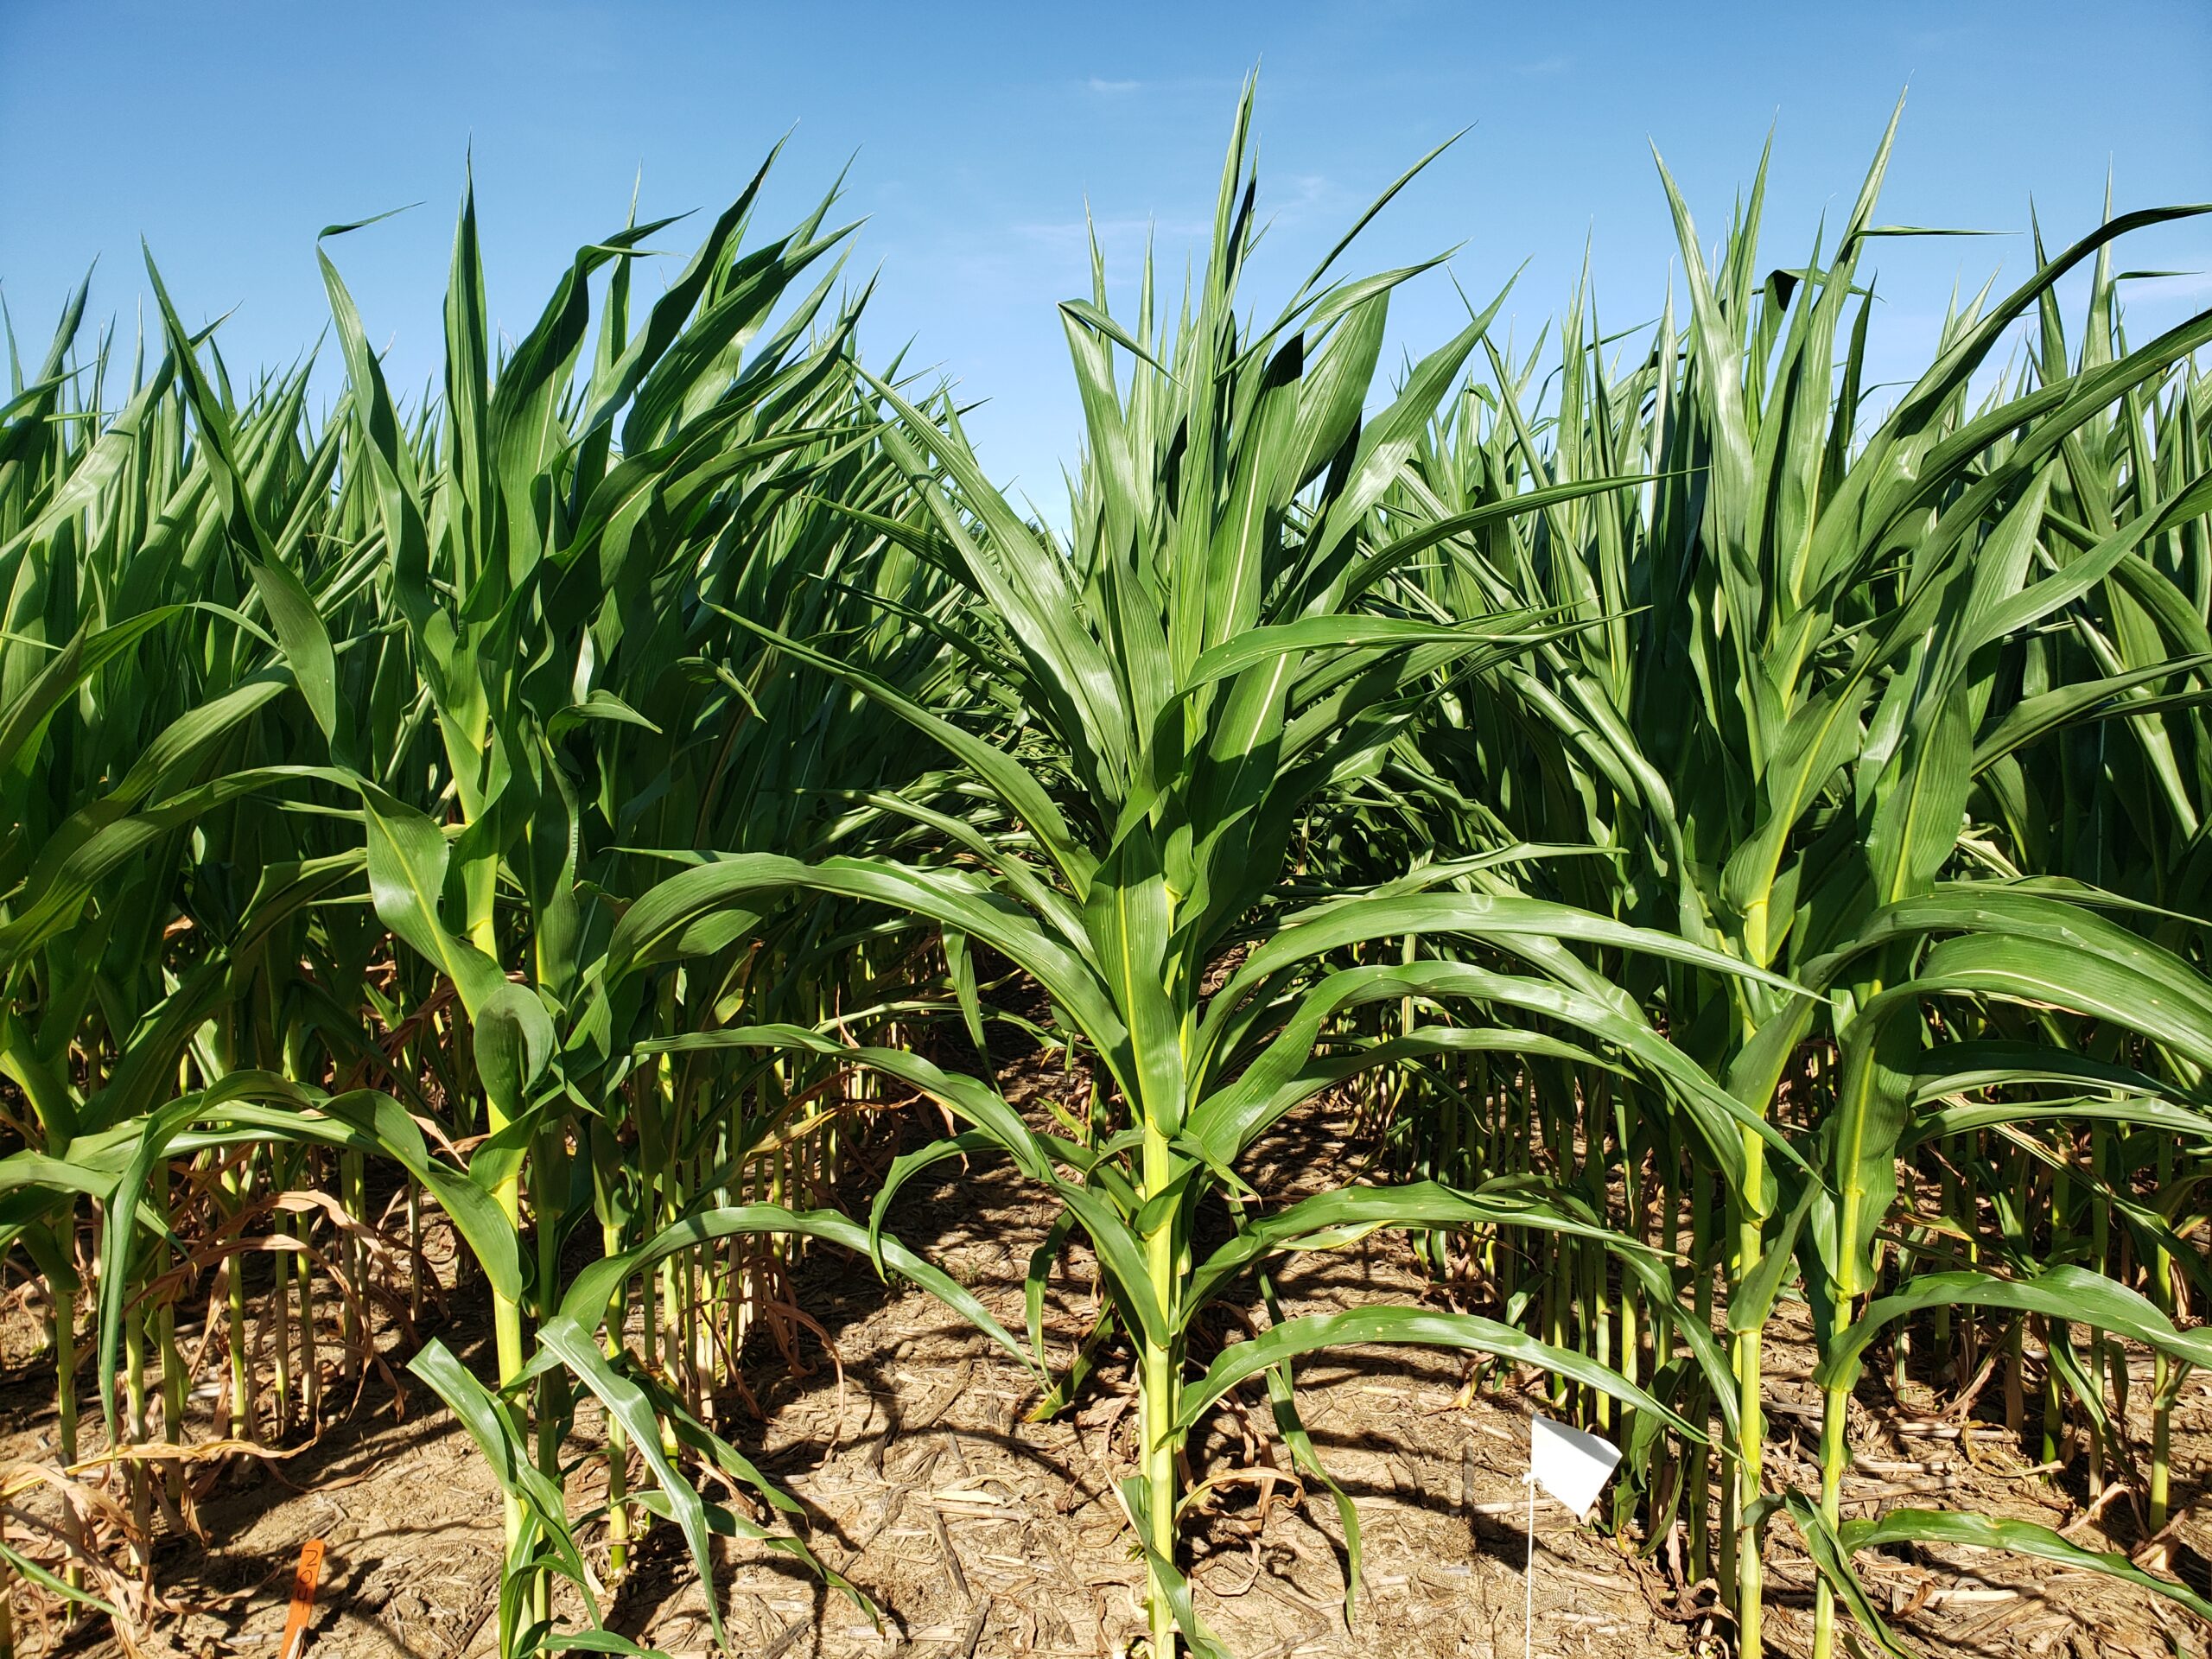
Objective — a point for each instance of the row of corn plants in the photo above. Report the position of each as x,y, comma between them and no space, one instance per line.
1732,839
1899,699
336,748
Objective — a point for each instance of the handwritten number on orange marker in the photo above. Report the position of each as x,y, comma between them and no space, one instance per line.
302,1608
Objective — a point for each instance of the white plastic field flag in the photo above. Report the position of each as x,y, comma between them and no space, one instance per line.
1573,1467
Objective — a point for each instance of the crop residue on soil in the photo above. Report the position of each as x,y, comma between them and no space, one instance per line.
979,1533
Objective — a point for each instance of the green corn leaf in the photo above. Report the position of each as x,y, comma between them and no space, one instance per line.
1311,1331
1833,1559
490,1426
1895,1527
585,1302
2063,1292
570,1341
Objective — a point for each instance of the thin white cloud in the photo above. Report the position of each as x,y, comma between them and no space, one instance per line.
1106,88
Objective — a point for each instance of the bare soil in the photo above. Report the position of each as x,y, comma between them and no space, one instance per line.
981,1534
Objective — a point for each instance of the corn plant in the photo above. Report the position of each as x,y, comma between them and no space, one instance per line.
1847,617
1206,666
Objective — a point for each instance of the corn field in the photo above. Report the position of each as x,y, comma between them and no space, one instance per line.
1732,839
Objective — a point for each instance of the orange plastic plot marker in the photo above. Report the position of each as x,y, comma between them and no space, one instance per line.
302,1608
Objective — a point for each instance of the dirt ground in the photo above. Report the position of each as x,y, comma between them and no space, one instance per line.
980,1535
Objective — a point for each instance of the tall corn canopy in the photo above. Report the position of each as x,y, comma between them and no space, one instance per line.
1728,839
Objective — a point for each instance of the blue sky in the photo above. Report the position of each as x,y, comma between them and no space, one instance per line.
228,133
